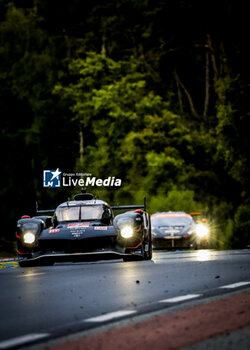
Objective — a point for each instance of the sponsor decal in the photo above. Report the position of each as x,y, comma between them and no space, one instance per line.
52,178
83,224
54,230
103,228
8,264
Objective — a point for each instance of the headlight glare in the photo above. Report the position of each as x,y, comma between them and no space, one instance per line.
127,232
202,230
29,238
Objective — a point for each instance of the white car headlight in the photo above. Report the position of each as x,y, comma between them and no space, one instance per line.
29,238
202,230
127,232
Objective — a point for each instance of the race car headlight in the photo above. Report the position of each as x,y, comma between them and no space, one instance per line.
29,238
127,232
202,230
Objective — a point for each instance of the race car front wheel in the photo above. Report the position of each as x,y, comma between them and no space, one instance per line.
148,251
132,258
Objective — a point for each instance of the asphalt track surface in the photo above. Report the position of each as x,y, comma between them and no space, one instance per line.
41,304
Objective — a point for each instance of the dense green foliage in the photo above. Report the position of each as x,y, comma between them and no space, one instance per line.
153,92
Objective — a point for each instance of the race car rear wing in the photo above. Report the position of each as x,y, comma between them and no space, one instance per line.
125,207
114,207
121,207
44,211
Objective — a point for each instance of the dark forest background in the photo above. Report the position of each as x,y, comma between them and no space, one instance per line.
155,92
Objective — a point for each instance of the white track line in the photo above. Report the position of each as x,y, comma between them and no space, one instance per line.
235,285
21,340
110,316
180,298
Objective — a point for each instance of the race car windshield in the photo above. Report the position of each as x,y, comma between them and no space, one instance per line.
76,213
91,212
170,221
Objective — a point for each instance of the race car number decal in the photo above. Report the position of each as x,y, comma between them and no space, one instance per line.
101,228
83,224
54,230
77,233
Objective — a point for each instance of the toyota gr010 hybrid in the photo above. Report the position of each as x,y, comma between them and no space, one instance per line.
84,229
178,230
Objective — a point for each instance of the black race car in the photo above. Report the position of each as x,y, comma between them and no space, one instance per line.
178,230
84,229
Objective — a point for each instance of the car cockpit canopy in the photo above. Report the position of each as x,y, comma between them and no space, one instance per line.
82,212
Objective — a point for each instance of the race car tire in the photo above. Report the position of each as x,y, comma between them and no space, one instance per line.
196,246
47,263
148,255
28,263
132,258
